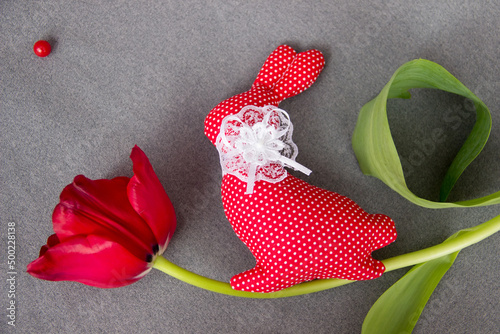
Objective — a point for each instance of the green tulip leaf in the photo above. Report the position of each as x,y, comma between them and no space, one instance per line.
399,308
375,149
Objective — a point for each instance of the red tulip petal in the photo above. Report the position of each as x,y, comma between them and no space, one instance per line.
43,249
148,198
51,242
91,260
101,207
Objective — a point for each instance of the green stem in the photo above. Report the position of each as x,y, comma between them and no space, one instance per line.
472,236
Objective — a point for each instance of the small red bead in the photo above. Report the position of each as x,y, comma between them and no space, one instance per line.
42,48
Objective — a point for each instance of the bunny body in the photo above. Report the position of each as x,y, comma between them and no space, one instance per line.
297,232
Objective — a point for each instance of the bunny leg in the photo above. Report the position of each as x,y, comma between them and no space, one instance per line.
258,280
369,268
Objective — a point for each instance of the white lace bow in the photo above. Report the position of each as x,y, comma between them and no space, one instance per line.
256,144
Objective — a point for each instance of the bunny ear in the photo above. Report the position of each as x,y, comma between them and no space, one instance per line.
274,67
301,74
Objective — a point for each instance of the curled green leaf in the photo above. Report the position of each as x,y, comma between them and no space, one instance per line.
375,149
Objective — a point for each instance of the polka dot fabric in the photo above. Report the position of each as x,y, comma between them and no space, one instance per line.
297,232
283,75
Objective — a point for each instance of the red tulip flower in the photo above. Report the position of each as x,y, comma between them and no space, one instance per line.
108,233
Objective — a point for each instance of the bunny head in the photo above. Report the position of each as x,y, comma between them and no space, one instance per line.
284,74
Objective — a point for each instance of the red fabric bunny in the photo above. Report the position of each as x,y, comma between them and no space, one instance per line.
297,232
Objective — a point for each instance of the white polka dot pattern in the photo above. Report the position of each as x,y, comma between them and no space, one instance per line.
283,75
297,232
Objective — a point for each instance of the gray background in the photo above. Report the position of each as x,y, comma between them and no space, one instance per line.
147,73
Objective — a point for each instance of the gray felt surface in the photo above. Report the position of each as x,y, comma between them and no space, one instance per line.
147,73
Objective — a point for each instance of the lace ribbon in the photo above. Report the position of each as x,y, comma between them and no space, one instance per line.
256,144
